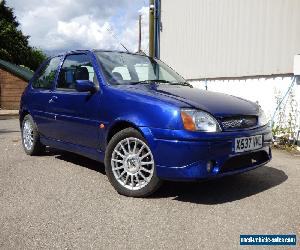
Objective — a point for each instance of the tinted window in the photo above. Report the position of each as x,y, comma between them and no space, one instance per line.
75,67
47,74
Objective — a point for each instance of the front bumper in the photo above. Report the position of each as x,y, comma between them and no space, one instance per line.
183,155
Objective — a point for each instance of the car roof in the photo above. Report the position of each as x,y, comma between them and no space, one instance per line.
118,51
98,50
93,51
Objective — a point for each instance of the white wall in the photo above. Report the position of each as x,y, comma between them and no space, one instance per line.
230,38
261,90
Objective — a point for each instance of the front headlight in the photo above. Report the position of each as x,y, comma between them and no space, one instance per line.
196,120
262,118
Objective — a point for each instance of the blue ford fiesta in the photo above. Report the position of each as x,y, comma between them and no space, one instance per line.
140,118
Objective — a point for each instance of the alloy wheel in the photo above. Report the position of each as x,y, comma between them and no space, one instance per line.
28,138
132,163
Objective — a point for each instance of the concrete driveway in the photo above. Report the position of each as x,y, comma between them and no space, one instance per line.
64,201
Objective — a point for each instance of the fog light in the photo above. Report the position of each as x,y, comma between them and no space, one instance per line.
209,166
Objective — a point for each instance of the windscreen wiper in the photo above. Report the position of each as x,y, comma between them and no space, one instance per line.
149,81
162,81
182,83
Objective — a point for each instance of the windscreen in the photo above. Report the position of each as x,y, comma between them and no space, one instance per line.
124,68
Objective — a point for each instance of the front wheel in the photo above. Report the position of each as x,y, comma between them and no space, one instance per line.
129,164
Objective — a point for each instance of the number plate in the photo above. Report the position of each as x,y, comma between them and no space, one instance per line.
243,144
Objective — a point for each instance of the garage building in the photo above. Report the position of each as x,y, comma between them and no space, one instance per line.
13,80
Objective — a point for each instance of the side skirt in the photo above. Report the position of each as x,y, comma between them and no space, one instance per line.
91,153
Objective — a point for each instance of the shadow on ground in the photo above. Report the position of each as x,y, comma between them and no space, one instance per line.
77,160
226,189
217,191
7,131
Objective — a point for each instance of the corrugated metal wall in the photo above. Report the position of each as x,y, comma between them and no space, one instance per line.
230,38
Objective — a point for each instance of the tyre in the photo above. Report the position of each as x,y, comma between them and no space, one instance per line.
30,137
129,164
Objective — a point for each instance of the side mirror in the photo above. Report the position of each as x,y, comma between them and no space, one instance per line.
85,86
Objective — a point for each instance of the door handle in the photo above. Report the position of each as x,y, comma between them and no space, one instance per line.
53,99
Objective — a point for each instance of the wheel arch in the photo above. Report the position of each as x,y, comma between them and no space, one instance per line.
120,125
22,114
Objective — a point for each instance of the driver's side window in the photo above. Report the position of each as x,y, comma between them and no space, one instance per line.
75,67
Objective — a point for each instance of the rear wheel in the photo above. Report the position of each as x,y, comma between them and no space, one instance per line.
30,137
129,164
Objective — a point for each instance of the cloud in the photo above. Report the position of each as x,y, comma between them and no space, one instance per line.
81,33
130,33
57,26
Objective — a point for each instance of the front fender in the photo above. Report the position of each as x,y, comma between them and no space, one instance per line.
140,110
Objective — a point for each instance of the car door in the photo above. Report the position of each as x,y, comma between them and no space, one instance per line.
76,113
41,92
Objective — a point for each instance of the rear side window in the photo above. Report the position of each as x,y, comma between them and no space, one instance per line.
47,74
75,67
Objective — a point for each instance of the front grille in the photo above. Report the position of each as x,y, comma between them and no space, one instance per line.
239,122
245,161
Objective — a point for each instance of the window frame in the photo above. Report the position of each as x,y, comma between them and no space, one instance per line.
65,90
44,66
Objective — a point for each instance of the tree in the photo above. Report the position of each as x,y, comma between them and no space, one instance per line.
14,46
7,14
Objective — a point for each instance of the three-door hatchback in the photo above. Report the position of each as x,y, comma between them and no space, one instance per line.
140,118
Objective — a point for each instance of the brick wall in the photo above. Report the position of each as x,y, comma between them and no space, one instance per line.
11,89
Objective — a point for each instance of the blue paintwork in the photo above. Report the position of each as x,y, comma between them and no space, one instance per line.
85,86
70,121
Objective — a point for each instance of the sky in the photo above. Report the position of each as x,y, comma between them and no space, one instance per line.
59,25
